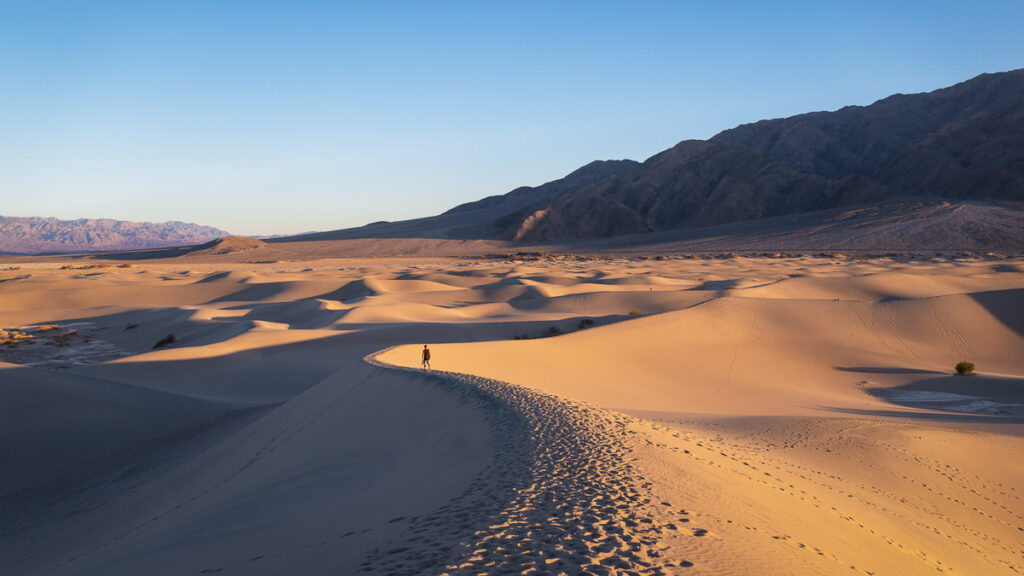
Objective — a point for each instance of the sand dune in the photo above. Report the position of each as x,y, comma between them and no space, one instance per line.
714,416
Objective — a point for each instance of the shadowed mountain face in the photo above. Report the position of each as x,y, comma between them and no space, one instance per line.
960,144
34,235
965,142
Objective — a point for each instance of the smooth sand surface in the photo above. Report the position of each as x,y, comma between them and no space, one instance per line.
606,415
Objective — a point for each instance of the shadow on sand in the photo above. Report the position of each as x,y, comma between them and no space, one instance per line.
883,370
987,397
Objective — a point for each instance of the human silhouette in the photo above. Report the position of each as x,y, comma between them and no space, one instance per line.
426,357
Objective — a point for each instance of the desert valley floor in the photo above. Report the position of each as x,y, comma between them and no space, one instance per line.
603,415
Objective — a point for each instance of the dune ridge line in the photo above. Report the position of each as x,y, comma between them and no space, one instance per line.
561,492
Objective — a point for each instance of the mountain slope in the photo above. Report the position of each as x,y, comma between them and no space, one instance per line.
482,218
34,235
965,142
959,144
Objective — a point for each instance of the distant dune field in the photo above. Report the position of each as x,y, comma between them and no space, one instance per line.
604,415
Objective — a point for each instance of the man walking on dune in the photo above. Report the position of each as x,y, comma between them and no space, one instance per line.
426,357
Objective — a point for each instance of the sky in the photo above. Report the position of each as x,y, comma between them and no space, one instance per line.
282,117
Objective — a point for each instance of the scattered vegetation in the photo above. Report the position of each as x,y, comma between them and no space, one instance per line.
125,265
64,338
13,337
85,267
635,313
964,368
555,330
165,341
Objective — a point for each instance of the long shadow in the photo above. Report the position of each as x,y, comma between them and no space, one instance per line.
255,292
1007,306
1000,398
81,438
883,370
136,331
930,416
22,277
352,291
716,285
152,254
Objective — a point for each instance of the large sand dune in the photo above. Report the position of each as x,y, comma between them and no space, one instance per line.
713,416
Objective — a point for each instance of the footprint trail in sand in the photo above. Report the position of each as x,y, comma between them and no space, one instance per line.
561,495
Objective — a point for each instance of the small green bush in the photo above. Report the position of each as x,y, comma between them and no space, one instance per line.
964,368
635,313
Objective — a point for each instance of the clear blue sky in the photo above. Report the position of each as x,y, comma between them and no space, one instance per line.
283,117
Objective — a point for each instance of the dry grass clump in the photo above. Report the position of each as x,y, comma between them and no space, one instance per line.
13,337
964,368
165,341
64,338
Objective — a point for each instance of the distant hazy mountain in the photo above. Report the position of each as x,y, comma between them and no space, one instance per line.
35,235
965,142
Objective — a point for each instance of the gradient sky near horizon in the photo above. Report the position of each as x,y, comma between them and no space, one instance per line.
284,117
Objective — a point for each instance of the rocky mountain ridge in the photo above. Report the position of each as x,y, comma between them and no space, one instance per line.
965,142
33,235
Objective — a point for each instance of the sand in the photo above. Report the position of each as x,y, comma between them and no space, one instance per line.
743,415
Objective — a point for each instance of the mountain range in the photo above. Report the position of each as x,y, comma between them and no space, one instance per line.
961,143
934,170
36,235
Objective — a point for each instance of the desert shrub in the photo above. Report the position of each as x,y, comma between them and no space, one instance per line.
65,337
124,265
46,327
165,341
586,322
964,368
131,326
554,331
635,313
11,338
